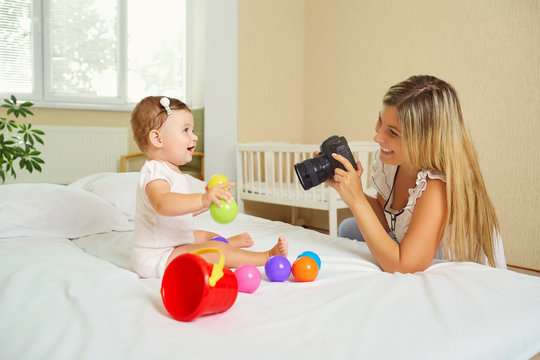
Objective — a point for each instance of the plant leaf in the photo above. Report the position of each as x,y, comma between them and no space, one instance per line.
17,141
25,110
38,139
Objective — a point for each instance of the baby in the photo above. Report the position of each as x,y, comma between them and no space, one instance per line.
164,227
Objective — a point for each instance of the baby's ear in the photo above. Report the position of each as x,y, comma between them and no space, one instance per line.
155,139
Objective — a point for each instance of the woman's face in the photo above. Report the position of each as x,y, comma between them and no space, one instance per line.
388,136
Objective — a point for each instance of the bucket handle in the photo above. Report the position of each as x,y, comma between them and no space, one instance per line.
217,269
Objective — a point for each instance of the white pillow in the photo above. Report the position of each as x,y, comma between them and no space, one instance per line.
89,178
120,188
56,210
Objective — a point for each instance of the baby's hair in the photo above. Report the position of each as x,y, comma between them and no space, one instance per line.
150,115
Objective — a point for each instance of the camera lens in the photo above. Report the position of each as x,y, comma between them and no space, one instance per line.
312,172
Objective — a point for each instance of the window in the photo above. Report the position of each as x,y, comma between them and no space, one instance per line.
16,41
93,53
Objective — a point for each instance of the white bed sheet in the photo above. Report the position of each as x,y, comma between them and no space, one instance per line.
63,299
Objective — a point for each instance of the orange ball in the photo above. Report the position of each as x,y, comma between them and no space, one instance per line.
305,268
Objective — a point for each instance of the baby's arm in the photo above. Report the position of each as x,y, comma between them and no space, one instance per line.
169,203
204,209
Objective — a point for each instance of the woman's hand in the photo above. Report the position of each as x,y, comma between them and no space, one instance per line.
348,183
329,182
215,193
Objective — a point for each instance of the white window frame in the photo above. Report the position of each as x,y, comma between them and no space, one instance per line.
43,98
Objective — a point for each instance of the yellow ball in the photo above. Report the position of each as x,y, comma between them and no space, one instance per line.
217,180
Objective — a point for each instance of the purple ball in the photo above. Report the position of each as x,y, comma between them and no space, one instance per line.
277,268
219,238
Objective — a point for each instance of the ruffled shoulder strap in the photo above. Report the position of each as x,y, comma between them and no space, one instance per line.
421,183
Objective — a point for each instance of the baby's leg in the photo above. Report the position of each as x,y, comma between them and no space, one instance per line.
202,236
243,240
240,241
281,248
234,256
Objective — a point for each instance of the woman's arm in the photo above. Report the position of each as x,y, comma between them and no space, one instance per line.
375,203
378,210
419,245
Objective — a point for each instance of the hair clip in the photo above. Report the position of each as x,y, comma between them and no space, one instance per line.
165,102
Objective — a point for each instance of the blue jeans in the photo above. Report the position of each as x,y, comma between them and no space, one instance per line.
349,229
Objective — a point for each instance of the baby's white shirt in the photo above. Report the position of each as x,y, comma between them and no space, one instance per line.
153,230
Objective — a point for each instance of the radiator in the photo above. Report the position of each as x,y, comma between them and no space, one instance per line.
71,152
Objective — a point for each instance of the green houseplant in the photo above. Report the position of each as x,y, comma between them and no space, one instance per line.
17,141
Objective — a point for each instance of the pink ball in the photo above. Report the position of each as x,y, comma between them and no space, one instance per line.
249,278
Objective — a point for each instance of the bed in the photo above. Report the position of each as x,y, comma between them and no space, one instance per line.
265,174
67,292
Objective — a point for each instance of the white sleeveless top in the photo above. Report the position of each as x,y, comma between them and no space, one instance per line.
153,230
383,178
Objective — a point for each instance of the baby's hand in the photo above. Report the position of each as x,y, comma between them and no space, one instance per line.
215,193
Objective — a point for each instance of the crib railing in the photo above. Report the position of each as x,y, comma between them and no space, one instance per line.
265,173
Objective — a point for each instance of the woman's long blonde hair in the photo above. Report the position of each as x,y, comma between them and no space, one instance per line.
435,137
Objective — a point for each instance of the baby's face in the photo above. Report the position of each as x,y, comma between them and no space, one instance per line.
178,138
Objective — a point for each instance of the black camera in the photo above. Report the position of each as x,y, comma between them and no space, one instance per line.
312,172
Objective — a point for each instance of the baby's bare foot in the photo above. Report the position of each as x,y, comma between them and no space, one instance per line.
241,240
281,248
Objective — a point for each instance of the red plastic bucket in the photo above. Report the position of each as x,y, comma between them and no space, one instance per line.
191,287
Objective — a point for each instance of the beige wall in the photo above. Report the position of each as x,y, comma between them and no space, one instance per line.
270,71
308,69
83,118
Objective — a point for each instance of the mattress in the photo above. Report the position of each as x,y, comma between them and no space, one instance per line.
67,291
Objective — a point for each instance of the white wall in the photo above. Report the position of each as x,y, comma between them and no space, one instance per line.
221,88
196,50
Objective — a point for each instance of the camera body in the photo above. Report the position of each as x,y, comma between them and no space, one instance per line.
312,172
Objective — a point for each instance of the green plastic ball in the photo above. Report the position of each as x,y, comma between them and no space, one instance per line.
224,214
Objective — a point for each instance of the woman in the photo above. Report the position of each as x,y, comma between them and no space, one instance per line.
431,200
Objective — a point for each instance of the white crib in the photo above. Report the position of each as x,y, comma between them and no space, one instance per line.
265,173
